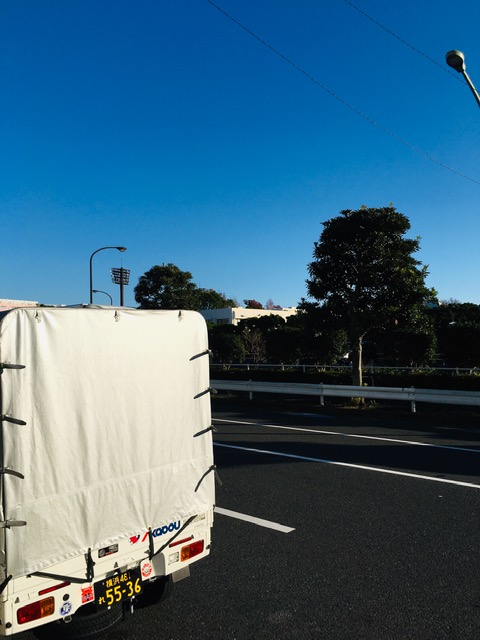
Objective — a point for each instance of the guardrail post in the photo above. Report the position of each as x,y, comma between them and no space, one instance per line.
322,397
250,393
413,405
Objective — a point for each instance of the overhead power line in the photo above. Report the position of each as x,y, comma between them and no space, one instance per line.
339,98
407,44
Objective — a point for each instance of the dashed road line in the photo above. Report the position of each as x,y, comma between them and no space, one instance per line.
252,519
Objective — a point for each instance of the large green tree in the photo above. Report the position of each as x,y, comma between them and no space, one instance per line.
364,277
166,287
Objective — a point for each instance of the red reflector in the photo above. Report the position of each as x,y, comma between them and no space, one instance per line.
191,550
36,610
50,589
174,544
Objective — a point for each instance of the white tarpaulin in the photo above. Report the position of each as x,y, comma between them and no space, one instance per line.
112,399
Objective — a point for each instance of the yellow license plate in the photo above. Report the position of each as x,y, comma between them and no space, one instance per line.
119,587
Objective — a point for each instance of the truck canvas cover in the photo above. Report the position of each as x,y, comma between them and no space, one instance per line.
117,440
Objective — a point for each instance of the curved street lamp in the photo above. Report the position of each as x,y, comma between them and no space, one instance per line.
456,60
107,294
122,249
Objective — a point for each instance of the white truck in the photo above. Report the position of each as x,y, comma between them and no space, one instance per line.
106,471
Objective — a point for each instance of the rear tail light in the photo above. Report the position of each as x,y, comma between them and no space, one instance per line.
54,588
177,542
192,550
36,610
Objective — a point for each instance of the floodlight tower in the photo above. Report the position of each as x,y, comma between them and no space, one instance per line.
121,276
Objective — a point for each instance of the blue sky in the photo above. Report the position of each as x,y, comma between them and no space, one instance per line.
167,128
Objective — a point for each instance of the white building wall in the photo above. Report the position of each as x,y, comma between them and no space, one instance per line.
233,315
6,303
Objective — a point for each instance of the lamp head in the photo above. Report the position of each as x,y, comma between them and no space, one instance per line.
456,60
122,249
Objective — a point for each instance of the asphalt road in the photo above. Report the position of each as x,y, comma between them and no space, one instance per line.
354,526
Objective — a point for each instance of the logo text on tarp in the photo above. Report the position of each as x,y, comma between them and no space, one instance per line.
159,531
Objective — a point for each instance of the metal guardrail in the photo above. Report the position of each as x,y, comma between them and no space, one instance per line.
410,394
347,368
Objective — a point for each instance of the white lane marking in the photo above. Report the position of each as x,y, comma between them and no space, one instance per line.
352,435
262,523
350,465
313,415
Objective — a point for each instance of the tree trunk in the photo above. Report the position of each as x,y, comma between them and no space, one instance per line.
357,362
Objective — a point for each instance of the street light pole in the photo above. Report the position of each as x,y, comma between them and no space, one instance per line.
122,249
107,294
456,60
